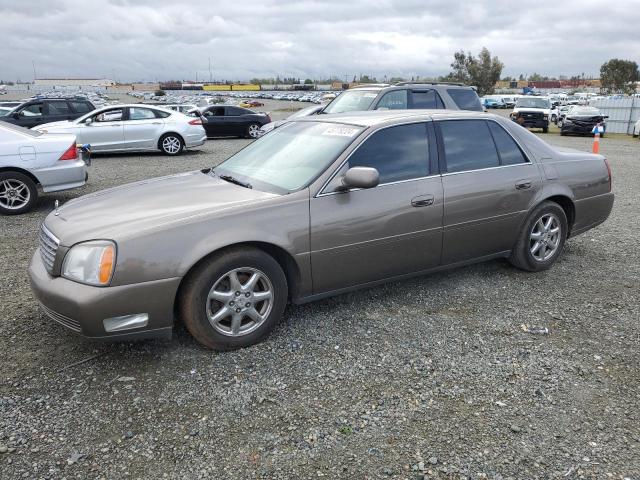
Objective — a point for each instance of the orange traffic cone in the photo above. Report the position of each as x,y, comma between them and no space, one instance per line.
596,143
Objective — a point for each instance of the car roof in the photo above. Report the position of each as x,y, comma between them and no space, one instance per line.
374,117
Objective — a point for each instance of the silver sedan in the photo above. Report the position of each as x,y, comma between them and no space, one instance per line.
123,128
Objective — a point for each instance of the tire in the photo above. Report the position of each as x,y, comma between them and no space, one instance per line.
545,129
171,144
253,130
522,256
18,193
207,293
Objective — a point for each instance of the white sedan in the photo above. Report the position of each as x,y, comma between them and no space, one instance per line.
30,159
124,128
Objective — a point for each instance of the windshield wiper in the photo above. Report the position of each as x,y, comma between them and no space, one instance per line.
231,179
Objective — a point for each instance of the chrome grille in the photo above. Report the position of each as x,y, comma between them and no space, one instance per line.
63,320
48,248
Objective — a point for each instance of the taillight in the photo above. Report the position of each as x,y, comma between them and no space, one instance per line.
195,121
606,162
70,154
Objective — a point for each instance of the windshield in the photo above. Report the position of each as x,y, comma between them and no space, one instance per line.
4,111
585,111
290,157
533,102
352,101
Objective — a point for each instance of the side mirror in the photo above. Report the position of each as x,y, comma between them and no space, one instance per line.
360,177
88,121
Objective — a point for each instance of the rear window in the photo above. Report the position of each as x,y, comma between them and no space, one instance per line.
81,107
58,108
465,99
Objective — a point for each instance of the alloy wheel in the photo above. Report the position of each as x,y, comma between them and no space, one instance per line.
14,194
544,238
171,145
239,301
254,131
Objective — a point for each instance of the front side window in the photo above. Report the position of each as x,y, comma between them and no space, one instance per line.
398,153
290,157
426,99
33,110
137,113
114,115
508,150
59,108
465,99
395,100
352,101
468,145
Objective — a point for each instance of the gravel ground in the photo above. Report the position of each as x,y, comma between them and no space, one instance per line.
440,376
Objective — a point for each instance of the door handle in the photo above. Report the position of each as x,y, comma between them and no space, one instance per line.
157,123
523,185
422,201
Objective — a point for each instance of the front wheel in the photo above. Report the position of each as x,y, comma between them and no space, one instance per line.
253,130
545,129
18,193
234,299
171,144
542,238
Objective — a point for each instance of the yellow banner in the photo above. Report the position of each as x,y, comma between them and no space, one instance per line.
216,87
244,86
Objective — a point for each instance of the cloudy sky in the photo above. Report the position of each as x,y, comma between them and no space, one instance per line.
167,39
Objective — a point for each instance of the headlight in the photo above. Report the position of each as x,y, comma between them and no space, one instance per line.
90,262
546,117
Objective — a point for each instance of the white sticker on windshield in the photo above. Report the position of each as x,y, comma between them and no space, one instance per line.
341,131
370,95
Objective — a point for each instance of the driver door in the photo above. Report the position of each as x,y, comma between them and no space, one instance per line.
105,132
365,235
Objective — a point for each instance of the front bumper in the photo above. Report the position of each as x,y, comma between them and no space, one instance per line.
534,123
578,129
83,308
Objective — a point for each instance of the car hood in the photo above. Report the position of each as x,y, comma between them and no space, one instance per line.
124,211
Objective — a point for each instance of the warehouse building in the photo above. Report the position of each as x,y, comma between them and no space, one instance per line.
74,82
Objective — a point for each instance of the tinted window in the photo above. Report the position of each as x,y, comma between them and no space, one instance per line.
398,153
510,153
160,114
396,100
426,99
465,99
33,110
137,113
58,108
81,107
214,112
234,111
468,145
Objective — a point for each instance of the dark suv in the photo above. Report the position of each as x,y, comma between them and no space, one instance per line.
45,110
405,95
400,96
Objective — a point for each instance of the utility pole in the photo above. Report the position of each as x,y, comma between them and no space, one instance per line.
210,75
34,70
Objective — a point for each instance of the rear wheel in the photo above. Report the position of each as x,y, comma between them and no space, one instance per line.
18,193
253,130
542,238
234,299
171,144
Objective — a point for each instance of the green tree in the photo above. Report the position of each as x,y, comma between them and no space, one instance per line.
618,75
308,81
482,71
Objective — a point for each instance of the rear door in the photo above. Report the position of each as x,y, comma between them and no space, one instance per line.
489,185
393,229
57,111
142,129
237,120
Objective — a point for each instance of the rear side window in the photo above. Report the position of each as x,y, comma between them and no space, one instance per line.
398,153
465,99
508,150
426,99
58,108
468,145
395,100
234,111
160,114
81,107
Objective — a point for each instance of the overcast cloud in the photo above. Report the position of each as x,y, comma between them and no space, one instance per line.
167,39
